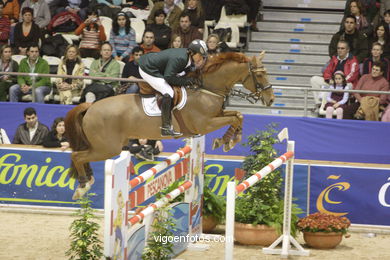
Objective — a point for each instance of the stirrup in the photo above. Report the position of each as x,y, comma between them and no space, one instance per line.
165,131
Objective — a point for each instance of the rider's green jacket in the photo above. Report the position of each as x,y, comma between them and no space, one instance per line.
167,64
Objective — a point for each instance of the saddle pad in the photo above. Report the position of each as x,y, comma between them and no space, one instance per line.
151,108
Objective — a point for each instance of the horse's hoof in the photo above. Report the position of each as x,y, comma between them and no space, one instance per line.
217,142
228,146
80,192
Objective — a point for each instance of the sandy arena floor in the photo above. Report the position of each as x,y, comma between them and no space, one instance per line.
36,236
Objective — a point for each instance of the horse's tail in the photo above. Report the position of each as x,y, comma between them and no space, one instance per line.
74,129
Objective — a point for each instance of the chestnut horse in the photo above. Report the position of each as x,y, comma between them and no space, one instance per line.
98,131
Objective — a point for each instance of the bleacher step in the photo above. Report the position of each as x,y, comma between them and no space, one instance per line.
289,47
301,16
269,26
315,4
287,59
292,69
293,38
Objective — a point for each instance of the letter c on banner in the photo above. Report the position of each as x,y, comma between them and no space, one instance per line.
382,194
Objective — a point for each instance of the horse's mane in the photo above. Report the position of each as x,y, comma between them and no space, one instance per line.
216,62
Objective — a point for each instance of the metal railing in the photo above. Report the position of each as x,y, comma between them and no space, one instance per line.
305,90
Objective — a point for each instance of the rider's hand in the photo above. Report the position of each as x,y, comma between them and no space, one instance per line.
196,82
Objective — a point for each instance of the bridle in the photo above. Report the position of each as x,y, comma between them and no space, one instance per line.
255,96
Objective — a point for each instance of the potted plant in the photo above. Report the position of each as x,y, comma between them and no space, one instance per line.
259,211
323,231
213,210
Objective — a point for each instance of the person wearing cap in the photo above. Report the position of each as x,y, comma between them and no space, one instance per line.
162,69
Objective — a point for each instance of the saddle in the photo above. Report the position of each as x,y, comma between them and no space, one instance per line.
146,90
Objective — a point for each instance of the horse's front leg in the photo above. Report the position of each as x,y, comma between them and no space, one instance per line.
233,135
84,175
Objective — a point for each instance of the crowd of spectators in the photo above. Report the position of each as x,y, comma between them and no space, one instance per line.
359,52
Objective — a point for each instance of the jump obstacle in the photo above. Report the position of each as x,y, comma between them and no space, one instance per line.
124,237
233,191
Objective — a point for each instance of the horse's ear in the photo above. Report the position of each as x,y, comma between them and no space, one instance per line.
254,61
261,56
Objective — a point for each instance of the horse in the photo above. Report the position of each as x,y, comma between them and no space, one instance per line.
98,131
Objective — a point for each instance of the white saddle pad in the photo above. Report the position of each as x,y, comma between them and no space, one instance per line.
151,108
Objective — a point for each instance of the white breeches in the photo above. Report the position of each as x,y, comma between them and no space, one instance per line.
158,84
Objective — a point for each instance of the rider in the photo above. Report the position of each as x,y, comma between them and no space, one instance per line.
161,70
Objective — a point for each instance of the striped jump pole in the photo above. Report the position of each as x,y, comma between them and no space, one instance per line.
159,167
158,204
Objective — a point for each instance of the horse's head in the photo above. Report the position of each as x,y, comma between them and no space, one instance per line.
256,80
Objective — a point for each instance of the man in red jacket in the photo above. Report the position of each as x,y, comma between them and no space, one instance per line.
345,62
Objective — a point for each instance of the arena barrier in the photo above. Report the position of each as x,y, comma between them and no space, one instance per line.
125,237
233,191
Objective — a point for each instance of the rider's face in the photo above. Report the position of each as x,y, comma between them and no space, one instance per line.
198,60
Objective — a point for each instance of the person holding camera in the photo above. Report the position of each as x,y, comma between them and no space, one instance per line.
92,35
144,148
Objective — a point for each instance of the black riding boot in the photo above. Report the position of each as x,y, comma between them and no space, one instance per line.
166,116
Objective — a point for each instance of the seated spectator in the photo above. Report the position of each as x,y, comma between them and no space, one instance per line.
337,100
131,71
215,46
122,37
212,9
71,64
108,8
187,32
196,13
11,9
357,41
32,132
385,5
248,7
373,81
362,24
41,12
78,7
381,35
376,56
7,64
26,33
171,10
137,4
162,32
33,63
106,66
369,7
176,42
4,137
144,148
386,19
56,137
92,34
148,42
345,62
5,27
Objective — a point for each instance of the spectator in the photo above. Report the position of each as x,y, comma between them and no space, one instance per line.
7,64
373,81
137,4
162,32
381,35
33,63
106,66
357,41
131,71
11,9
376,56
195,11
176,42
32,132
212,9
369,7
148,42
215,46
4,137
337,100
345,62
108,8
362,24
385,5
5,26
70,64
41,12
92,34
122,37
386,19
56,137
248,7
144,148
78,7
171,10
26,33
187,32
